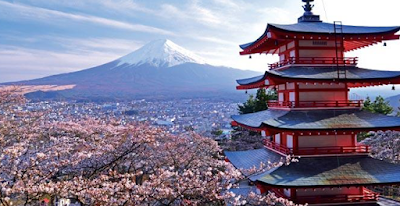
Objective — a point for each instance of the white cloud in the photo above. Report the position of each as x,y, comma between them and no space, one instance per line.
189,13
97,44
20,63
18,57
229,3
203,14
10,10
213,40
125,6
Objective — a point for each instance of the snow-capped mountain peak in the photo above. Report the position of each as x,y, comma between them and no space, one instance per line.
160,53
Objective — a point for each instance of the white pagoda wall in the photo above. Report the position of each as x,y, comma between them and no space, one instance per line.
321,86
320,48
326,141
322,96
329,191
321,92
312,92
309,48
317,53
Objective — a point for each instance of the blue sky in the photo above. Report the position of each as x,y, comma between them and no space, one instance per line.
44,37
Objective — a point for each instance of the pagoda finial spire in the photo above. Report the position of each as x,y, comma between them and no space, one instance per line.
308,16
308,7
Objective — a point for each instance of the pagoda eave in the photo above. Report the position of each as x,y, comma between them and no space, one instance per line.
310,187
270,130
351,43
274,37
334,172
350,83
326,172
291,74
318,122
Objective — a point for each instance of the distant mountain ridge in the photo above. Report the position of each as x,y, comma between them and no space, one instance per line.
394,101
160,69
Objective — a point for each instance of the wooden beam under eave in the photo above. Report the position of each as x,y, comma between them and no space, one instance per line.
360,44
391,37
352,45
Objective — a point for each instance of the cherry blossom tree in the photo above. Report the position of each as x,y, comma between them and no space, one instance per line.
243,140
106,162
384,145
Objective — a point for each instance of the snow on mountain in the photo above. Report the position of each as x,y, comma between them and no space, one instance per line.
160,53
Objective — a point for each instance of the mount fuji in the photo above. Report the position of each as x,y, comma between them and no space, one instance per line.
159,70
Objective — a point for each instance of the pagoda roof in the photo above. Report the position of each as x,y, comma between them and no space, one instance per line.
328,28
326,171
321,119
334,171
252,80
323,73
318,30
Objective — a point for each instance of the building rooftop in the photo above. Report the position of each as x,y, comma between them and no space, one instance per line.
334,171
324,73
323,28
299,120
319,171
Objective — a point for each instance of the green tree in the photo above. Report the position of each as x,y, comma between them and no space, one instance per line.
398,111
367,103
258,103
378,106
217,132
248,106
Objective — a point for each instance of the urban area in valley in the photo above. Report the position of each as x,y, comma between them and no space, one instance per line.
204,116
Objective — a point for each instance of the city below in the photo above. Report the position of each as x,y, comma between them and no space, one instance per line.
176,116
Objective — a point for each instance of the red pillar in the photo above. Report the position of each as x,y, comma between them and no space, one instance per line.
297,95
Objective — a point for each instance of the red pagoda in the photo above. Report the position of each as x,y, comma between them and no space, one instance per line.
313,117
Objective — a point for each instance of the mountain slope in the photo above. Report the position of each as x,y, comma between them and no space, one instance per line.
160,69
394,101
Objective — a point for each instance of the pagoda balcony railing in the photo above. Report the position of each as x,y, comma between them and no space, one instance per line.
366,196
310,104
331,150
342,61
359,149
277,147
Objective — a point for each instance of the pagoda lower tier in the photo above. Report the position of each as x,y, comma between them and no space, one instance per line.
315,132
318,180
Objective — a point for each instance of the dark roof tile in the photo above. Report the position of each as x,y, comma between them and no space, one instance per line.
334,171
327,28
322,73
318,119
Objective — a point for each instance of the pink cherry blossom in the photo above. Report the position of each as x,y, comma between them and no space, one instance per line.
102,162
